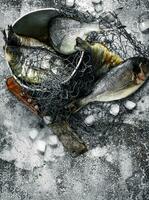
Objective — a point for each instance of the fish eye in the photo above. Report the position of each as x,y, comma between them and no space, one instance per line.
136,69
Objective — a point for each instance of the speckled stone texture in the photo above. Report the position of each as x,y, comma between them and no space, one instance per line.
117,165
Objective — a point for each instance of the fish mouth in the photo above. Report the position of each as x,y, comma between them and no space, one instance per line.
145,69
141,67
81,44
78,45
79,41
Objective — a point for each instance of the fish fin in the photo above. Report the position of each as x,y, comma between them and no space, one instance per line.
21,95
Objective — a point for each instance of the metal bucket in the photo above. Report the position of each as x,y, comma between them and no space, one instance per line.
36,25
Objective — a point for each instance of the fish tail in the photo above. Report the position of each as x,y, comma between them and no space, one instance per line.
86,100
79,104
75,106
10,37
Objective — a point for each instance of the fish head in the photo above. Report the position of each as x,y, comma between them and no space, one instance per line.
82,45
145,67
141,68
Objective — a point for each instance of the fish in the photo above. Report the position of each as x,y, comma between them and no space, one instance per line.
64,31
31,64
119,82
21,40
103,59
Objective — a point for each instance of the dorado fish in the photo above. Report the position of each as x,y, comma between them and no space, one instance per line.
31,64
63,33
102,58
120,82
20,40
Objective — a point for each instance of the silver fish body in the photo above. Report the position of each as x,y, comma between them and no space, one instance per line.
120,82
63,33
33,65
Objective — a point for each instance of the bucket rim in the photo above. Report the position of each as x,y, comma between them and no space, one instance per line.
22,19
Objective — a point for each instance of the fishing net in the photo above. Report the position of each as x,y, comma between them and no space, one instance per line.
72,80
75,77
117,39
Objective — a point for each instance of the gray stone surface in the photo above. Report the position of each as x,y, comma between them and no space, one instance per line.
117,165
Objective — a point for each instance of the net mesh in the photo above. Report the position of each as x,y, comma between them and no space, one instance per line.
73,79
54,94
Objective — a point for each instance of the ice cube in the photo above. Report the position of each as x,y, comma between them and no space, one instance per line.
59,151
41,146
130,105
98,8
70,3
49,156
33,134
114,109
47,119
96,1
53,141
89,120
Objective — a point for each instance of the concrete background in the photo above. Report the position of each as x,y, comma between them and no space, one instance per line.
116,167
